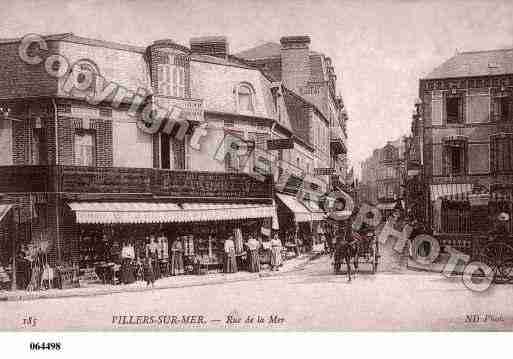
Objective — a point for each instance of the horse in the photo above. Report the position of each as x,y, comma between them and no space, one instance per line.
344,252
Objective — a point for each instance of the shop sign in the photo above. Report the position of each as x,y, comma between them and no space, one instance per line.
324,171
280,144
162,182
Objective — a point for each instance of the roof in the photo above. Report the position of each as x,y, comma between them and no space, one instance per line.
264,51
70,37
477,63
230,60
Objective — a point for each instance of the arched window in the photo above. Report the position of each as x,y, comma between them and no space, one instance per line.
245,98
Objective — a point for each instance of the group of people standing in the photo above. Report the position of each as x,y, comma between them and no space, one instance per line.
252,247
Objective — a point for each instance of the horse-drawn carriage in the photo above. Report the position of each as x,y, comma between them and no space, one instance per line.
367,251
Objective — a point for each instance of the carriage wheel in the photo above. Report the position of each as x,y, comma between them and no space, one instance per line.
499,257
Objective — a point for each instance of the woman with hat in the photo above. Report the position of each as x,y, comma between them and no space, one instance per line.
230,261
253,258
276,247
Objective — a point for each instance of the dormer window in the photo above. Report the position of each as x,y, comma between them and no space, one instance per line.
245,98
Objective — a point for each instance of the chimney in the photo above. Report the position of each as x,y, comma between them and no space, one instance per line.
210,45
295,61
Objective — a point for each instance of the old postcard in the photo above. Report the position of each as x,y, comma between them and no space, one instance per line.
253,165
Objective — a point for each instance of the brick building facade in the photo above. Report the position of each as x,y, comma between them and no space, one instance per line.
466,139
72,151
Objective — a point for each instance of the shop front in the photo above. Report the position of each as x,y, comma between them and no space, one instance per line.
180,238
301,223
81,223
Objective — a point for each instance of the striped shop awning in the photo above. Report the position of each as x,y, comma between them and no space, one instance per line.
301,213
148,212
453,191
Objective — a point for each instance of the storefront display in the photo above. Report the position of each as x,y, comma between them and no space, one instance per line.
117,252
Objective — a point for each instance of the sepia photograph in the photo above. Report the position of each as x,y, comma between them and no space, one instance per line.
255,166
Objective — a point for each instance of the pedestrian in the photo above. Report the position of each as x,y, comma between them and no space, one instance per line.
177,257
276,259
500,231
152,250
230,261
127,268
149,275
253,257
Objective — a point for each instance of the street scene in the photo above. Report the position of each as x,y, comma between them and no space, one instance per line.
194,177
395,300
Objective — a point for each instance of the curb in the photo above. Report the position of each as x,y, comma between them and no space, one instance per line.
429,270
249,276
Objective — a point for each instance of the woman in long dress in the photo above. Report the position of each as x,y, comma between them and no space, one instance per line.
149,275
276,247
177,257
253,258
230,261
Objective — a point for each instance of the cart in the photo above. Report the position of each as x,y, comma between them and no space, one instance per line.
368,251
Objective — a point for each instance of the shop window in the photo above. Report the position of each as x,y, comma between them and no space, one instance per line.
84,148
455,217
455,159
245,99
501,153
454,109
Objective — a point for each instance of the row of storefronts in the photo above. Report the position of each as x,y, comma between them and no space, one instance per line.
95,238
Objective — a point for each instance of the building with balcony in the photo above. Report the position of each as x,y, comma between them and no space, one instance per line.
110,142
467,144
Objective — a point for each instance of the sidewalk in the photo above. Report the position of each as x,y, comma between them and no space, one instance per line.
94,289
436,267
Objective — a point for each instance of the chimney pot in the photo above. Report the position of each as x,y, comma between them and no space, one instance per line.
295,41
210,45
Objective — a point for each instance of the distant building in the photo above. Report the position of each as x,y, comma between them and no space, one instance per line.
383,175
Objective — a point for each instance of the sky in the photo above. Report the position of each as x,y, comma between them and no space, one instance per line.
379,48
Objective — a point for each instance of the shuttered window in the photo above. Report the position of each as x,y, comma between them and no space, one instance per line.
502,107
501,153
479,107
436,109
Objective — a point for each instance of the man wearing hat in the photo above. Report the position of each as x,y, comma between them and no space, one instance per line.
500,230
